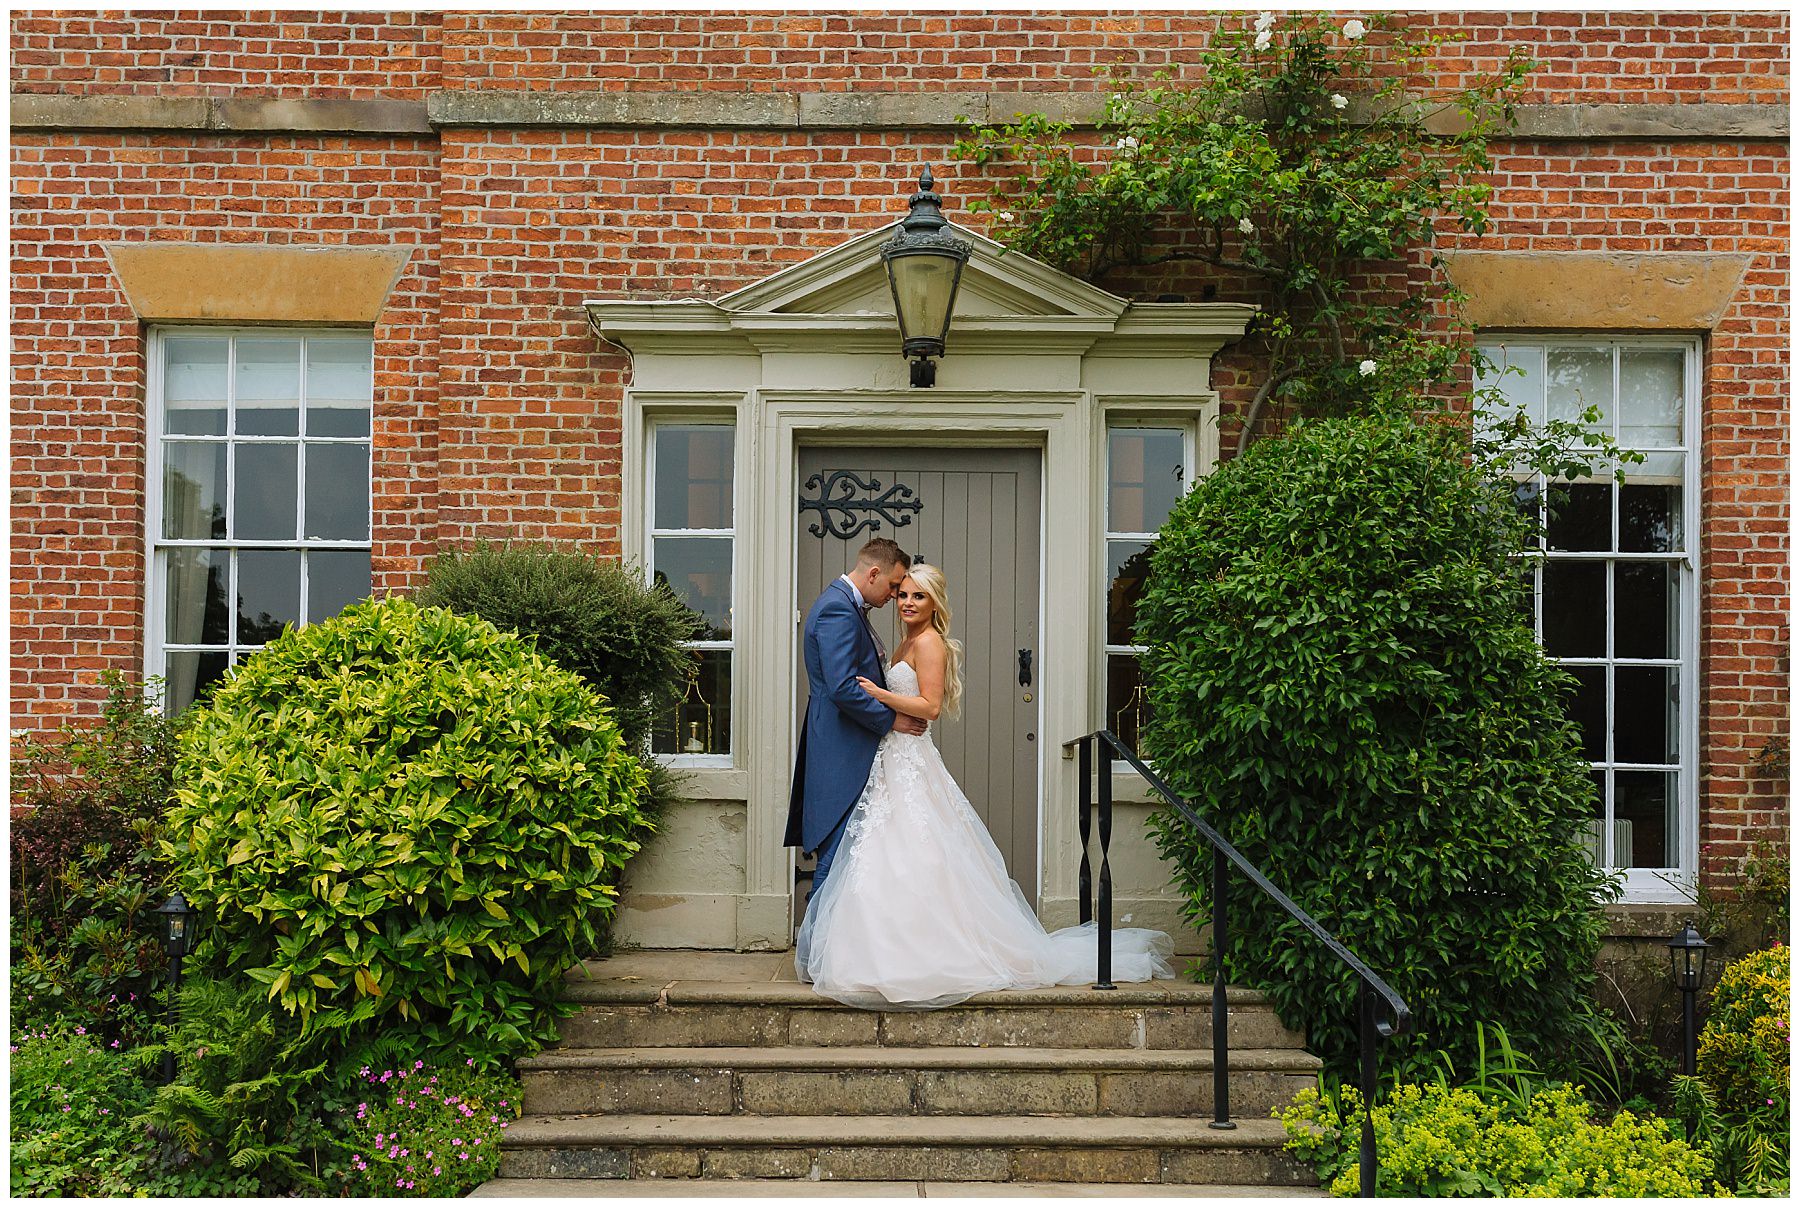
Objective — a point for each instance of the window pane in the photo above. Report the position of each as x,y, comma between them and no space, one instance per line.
1595,827
268,387
340,384
1649,518
1580,516
337,492
195,591
1575,609
1127,709
1647,621
194,385
190,675
334,579
193,490
1645,716
1576,379
1650,395
267,492
1523,390
1644,812
1144,477
1586,705
698,571
268,594
701,725
1127,566
693,477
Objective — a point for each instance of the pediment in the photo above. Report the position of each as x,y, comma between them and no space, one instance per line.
850,279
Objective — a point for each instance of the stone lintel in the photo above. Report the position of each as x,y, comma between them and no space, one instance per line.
1668,291
255,283
856,110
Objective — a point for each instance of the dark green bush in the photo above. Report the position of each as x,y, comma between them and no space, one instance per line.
591,615
403,815
87,870
1344,680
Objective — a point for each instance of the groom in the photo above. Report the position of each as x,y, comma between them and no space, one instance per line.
844,724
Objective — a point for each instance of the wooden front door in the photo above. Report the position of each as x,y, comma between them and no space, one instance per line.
976,519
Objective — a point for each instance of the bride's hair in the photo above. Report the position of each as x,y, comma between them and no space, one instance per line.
931,581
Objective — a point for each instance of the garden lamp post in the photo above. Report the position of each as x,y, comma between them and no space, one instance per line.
1687,963
178,940
924,267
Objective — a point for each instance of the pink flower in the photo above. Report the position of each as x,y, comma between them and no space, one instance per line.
437,1170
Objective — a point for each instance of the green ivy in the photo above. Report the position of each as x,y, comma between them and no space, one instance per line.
404,816
1344,680
1310,157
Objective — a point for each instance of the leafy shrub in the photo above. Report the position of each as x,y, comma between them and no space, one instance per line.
1743,1056
87,872
1344,680
1434,1140
420,1131
1749,1151
73,1094
587,614
403,814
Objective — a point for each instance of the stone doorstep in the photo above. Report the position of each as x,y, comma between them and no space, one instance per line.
680,992
1035,1132
940,1057
696,1188
951,1149
1109,1025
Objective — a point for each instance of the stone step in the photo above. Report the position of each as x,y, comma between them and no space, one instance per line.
788,1189
863,1081
964,1149
1157,1015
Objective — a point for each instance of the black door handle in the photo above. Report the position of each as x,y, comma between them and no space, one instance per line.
1024,668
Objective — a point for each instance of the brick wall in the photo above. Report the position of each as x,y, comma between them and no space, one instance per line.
497,411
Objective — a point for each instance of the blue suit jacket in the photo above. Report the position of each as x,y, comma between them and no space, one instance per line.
844,724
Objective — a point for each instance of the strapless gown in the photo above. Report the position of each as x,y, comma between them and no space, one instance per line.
919,911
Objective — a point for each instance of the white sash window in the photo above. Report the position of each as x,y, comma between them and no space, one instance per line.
691,547
259,500
1148,467
1617,601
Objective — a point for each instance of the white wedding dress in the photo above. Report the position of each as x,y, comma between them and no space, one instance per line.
918,910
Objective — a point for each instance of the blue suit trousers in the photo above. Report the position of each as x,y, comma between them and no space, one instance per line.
827,851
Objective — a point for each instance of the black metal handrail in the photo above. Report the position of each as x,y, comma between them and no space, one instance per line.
1097,907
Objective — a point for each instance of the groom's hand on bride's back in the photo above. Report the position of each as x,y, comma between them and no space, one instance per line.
906,723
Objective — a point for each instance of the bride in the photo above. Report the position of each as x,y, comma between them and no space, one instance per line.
919,911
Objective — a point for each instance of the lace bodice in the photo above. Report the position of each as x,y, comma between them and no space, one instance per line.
902,680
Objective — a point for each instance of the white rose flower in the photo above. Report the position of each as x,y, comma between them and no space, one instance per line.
1264,22
1006,215
1127,143
1354,29
1338,100
1246,226
1366,368
1263,39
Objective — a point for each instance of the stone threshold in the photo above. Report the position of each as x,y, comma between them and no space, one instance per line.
936,1057
1136,1132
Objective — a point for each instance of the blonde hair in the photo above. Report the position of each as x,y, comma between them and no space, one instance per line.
930,580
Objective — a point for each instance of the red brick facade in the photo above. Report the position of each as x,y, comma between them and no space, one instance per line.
497,411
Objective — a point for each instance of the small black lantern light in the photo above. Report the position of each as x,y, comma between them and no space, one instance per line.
1687,965
178,926
179,922
924,268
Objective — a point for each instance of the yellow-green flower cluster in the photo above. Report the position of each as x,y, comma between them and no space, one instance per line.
1433,1140
1743,1054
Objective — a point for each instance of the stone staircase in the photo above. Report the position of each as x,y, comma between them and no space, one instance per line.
705,1067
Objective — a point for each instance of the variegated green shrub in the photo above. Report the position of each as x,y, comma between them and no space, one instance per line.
402,814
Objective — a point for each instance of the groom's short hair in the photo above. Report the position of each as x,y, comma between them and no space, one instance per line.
883,552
